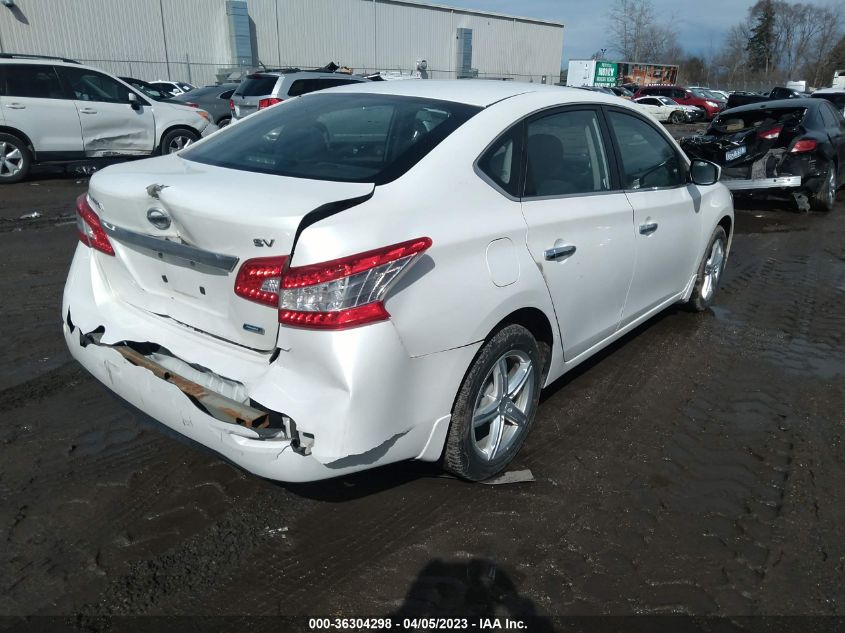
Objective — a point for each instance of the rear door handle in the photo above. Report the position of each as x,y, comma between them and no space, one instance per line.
88,111
16,106
648,228
559,252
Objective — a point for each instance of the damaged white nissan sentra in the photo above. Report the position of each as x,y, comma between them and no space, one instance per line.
387,271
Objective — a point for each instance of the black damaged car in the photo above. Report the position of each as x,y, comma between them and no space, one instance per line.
791,145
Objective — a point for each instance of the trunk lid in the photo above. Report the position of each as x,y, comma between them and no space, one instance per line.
185,269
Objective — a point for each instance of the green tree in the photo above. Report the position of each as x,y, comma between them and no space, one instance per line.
761,44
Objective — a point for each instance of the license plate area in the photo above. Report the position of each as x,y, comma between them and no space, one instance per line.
733,154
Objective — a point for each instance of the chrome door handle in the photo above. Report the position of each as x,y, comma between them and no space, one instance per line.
648,228
16,106
88,111
559,252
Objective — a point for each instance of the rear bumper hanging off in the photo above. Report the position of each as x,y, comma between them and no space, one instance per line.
781,182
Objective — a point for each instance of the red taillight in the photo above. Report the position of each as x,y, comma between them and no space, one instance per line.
258,280
231,104
361,315
803,145
266,103
91,232
345,292
771,133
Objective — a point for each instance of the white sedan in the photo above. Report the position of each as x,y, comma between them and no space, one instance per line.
666,110
387,271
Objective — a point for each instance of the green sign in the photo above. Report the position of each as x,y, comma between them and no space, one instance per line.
606,73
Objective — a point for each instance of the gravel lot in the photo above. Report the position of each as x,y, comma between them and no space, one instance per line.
694,467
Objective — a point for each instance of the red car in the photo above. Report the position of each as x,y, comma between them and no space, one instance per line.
684,96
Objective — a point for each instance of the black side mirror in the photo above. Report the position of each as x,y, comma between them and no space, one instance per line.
703,172
133,101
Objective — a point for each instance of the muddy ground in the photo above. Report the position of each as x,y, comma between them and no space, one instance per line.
694,467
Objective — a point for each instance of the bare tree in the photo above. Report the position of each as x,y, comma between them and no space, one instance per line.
637,35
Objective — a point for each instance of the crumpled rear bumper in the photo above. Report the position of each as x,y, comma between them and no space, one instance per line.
357,398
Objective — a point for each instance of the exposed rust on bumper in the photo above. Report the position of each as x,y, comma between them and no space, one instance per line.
219,406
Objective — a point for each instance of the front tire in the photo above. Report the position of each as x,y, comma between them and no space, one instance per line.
176,140
496,405
710,271
826,196
676,118
15,159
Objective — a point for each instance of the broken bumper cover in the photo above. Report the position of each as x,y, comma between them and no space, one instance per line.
780,182
357,396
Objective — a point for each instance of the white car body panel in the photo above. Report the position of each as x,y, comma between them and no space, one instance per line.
52,125
116,128
604,241
383,392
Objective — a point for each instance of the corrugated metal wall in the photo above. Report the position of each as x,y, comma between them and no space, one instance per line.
188,39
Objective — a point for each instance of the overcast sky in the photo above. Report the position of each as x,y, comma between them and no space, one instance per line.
700,25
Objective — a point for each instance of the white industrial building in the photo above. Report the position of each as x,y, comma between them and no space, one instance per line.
194,40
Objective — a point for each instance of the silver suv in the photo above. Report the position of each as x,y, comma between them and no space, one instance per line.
262,89
55,110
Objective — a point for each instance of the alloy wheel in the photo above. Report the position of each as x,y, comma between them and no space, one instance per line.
713,270
11,159
179,142
502,407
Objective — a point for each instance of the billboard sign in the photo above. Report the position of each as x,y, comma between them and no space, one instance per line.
606,74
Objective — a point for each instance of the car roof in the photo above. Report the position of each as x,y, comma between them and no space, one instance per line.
302,73
476,92
829,91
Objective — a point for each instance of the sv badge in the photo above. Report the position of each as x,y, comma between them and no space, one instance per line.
259,242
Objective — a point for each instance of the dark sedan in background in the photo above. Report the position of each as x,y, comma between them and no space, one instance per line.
791,145
212,99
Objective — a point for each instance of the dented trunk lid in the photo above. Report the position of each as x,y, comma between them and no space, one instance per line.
181,230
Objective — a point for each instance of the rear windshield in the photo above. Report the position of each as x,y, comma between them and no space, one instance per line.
257,85
738,121
347,137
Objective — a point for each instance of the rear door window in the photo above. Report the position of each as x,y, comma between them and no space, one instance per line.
30,80
303,86
257,85
648,159
565,155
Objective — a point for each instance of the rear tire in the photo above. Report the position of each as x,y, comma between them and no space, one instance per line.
826,196
496,405
709,271
224,122
15,159
176,140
